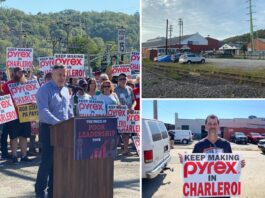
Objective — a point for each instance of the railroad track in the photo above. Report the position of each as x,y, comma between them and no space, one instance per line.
243,79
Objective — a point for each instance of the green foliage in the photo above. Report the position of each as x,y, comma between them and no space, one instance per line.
86,32
245,37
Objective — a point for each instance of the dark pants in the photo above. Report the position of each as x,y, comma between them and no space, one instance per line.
4,136
45,171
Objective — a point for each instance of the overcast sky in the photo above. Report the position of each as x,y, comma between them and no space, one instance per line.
218,18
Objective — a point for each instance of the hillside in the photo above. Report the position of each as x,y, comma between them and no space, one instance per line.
244,37
87,32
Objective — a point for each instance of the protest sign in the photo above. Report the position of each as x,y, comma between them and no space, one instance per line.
135,61
133,123
95,138
124,68
74,62
211,175
136,141
91,108
28,113
24,93
121,41
7,109
119,111
46,64
19,57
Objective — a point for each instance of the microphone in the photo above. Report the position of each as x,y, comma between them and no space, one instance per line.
74,87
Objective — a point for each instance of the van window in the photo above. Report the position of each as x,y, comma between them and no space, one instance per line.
163,130
185,127
156,135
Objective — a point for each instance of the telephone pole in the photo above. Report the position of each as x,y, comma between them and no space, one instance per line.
180,29
166,35
251,26
170,34
155,109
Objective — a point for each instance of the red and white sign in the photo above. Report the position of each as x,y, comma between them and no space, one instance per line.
7,109
46,64
136,141
119,111
24,93
121,41
91,108
19,57
75,64
119,69
133,123
135,61
211,175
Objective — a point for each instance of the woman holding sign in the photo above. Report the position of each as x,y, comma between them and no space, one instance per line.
92,88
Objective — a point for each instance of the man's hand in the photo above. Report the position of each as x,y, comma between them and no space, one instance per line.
180,158
243,163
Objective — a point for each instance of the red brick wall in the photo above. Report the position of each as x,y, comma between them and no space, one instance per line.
259,45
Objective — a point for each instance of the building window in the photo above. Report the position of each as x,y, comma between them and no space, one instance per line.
185,127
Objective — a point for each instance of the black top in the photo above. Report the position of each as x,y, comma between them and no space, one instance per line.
205,146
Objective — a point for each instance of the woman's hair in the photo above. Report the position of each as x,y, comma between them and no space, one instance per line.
90,81
102,86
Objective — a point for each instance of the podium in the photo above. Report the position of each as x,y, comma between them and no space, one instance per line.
84,151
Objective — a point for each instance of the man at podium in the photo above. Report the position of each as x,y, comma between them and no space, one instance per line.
53,101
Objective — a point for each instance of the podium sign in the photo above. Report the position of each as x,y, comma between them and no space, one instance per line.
95,138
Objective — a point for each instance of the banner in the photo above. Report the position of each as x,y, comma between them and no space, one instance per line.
120,112
135,61
211,175
24,93
74,62
119,69
95,138
28,113
136,141
121,41
19,57
7,109
133,123
46,64
91,108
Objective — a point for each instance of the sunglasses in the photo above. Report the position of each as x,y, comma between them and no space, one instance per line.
106,86
122,79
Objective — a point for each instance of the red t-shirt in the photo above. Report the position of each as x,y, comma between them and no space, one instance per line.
136,92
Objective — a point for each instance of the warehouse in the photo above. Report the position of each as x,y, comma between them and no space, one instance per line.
194,43
251,124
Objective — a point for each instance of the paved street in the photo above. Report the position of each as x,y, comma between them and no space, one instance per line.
169,184
18,180
245,64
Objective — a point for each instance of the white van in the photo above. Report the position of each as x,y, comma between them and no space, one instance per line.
155,148
182,136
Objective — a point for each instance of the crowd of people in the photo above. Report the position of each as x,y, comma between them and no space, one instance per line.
56,102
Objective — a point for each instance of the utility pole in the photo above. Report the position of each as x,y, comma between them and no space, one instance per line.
251,26
166,35
155,109
180,29
170,34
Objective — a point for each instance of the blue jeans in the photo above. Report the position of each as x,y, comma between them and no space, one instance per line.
45,172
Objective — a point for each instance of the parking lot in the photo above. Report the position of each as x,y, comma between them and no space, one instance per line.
169,183
18,180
